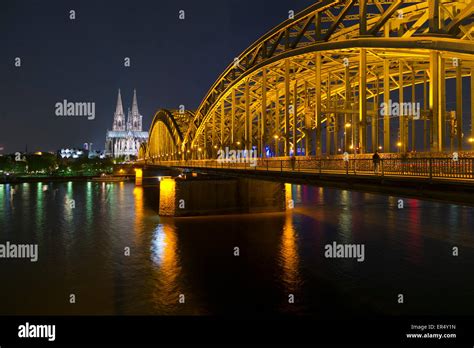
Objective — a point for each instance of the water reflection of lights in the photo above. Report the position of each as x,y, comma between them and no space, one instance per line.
289,256
158,245
164,254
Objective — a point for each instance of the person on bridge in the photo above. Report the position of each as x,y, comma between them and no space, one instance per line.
376,160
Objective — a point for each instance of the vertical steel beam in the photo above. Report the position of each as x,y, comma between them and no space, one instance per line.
362,17
386,100
435,111
328,115
287,107
363,100
247,115
347,104
402,118
317,108
317,26
295,118
307,121
413,101
222,123
375,117
213,134
250,117
264,113
232,118
434,15
459,104
472,108
426,133
442,101
277,123
335,126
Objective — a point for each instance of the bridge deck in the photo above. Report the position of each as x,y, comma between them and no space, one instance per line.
443,169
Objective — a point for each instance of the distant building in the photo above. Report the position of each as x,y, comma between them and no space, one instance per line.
126,136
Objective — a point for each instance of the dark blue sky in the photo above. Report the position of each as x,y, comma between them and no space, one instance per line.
173,62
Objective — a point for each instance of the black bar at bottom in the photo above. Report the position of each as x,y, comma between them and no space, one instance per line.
133,330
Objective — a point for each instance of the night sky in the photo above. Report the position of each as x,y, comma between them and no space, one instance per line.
173,61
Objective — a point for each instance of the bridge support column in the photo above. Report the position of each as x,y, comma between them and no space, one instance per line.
138,176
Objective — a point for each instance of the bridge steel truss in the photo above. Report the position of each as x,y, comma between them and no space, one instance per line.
322,76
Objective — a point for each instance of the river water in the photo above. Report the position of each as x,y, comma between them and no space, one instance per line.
83,248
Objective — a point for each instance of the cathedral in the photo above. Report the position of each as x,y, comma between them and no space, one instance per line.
126,136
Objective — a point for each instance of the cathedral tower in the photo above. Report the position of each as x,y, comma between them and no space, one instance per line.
134,118
119,117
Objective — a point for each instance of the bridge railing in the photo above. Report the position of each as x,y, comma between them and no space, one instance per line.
463,168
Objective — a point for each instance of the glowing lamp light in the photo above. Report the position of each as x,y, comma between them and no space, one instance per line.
471,140
380,147
351,147
347,125
238,143
399,144
276,136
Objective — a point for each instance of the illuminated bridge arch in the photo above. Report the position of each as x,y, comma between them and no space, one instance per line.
165,139
314,84
142,151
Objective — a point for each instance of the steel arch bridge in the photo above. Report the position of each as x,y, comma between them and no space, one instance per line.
325,81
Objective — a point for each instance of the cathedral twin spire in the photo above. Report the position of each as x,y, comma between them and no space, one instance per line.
134,119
